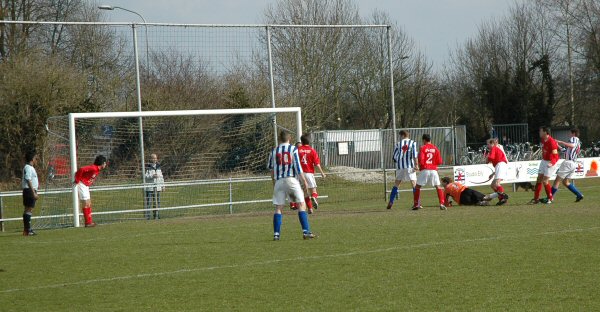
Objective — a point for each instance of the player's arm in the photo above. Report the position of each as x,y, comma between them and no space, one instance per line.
317,162
396,153
566,144
415,156
321,170
555,156
30,185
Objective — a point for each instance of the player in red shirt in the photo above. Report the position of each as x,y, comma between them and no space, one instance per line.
429,160
84,178
498,159
547,167
309,159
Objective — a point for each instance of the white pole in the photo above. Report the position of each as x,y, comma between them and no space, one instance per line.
73,156
236,111
272,81
139,100
392,99
299,123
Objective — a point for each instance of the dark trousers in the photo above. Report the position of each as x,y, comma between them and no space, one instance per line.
152,203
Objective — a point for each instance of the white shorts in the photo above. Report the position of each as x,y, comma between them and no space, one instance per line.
545,170
567,169
83,191
428,177
310,180
287,188
501,172
408,174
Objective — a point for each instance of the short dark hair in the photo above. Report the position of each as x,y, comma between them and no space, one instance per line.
284,136
446,180
30,155
404,133
545,129
575,131
305,139
426,137
100,160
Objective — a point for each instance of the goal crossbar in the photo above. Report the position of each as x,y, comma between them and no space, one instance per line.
141,114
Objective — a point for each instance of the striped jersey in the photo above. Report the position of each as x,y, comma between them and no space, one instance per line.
572,153
405,152
284,161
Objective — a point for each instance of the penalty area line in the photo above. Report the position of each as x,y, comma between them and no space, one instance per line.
274,261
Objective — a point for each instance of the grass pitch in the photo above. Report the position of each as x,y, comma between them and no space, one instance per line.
515,257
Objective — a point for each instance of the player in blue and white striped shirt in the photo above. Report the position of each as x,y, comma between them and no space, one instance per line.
284,164
568,167
405,157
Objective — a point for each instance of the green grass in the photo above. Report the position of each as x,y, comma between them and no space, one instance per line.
515,257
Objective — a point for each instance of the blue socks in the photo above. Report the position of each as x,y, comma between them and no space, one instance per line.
394,194
554,190
277,223
574,190
303,216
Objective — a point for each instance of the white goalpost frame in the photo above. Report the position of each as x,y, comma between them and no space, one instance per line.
140,114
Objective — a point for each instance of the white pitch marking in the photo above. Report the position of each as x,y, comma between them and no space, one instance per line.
249,264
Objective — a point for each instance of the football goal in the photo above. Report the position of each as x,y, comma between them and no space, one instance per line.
211,161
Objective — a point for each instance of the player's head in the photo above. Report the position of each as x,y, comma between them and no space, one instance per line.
284,137
426,138
305,139
575,132
544,132
298,144
446,181
404,134
153,158
491,143
100,161
30,155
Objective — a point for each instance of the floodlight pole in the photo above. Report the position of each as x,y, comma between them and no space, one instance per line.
272,81
139,100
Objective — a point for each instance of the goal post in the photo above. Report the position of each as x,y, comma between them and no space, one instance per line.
73,119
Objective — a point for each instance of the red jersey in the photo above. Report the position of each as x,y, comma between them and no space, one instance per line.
87,175
308,158
429,157
547,147
496,156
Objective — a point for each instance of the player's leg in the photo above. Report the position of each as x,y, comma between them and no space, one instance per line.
279,197
147,204
573,189
28,205
538,185
155,213
435,181
394,192
311,198
421,180
294,191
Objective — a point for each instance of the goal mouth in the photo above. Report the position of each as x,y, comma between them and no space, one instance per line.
203,156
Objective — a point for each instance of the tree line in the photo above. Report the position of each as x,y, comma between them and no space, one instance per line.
539,63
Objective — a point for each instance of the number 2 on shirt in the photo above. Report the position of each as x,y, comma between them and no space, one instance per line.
429,160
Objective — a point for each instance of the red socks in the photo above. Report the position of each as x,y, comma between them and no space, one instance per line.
538,190
308,202
440,194
87,215
315,195
417,196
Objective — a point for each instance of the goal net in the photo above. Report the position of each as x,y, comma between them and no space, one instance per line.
212,161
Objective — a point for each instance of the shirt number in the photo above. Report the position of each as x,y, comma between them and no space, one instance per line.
284,158
429,160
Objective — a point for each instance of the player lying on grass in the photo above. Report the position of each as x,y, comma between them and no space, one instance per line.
547,166
463,195
284,164
405,157
568,167
84,178
429,160
498,159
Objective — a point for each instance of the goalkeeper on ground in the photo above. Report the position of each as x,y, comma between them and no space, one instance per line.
463,195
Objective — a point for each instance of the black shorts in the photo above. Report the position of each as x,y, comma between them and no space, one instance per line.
471,197
28,198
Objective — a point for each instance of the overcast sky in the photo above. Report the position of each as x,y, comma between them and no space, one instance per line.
436,25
